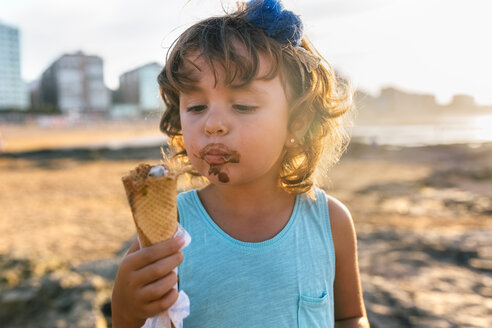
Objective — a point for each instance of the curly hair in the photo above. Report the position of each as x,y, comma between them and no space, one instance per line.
315,95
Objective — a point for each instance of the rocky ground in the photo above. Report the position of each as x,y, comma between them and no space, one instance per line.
423,218
424,223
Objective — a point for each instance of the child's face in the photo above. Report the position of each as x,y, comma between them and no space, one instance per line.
234,136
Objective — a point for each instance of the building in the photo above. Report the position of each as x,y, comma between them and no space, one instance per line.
139,90
74,84
13,91
398,101
463,103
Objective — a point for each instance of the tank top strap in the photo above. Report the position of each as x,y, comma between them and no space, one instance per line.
318,211
318,208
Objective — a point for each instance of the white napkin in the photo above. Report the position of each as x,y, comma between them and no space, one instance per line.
179,310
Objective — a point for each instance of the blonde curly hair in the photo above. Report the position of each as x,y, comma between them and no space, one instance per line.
314,93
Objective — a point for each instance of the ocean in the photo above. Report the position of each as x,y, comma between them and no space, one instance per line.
450,130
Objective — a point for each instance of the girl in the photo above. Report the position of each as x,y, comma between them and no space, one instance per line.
254,111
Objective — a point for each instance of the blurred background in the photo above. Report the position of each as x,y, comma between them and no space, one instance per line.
79,107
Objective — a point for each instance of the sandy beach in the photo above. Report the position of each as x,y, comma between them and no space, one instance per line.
423,217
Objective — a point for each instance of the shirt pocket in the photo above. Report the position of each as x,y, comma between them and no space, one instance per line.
315,312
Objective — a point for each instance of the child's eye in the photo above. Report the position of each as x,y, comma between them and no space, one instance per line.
196,109
245,108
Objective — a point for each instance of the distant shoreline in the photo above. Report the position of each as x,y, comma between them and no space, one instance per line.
145,133
139,151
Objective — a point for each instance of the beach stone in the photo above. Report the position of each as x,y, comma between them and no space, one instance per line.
59,298
14,270
423,279
106,268
18,296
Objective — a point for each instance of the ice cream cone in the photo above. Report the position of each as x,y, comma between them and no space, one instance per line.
153,204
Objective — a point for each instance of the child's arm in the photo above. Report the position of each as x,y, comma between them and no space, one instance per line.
349,304
144,283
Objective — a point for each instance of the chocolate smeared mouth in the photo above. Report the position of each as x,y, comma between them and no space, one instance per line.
215,155
218,153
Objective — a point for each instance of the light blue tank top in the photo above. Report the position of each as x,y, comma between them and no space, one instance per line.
286,281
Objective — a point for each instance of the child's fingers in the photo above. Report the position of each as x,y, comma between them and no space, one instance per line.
133,247
162,304
153,253
159,269
157,289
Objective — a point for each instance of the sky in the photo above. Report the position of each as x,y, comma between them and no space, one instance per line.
438,47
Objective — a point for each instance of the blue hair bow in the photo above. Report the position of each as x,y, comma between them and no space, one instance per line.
278,23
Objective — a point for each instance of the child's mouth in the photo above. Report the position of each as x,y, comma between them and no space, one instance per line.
218,154
215,155
214,159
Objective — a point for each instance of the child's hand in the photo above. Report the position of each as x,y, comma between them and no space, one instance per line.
144,283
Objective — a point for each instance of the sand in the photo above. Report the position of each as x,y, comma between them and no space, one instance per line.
76,211
29,137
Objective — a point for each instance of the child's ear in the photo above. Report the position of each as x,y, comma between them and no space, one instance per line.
298,129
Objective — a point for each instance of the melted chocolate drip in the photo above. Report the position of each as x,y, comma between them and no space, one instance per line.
213,170
223,177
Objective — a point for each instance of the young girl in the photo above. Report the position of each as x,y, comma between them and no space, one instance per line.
254,111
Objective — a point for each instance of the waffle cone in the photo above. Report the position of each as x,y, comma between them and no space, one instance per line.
153,204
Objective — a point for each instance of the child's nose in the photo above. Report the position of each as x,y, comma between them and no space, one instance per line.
215,125
214,130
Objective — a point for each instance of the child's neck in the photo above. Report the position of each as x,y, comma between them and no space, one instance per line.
249,213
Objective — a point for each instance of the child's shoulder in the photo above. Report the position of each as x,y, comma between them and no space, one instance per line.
338,211
342,225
